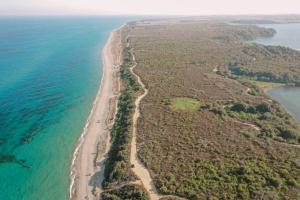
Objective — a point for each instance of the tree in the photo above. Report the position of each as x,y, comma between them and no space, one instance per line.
239,107
263,108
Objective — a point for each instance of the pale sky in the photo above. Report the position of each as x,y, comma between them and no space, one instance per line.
148,7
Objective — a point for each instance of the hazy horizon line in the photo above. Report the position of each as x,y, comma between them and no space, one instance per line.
154,15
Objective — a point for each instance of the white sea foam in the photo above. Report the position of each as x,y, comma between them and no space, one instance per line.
82,136
81,140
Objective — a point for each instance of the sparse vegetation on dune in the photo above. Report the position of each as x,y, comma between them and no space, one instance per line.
238,143
118,175
118,168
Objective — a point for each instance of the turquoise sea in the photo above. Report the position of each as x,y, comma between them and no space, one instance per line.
287,35
50,71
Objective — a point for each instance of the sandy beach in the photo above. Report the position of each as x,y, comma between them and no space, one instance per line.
89,156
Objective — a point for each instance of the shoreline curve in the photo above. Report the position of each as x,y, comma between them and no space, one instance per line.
87,165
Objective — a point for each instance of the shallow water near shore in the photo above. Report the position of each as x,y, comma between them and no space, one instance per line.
50,71
287,35
289,97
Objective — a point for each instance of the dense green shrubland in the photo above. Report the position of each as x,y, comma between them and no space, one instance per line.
265,63
273,121
127,192
213,152
118,167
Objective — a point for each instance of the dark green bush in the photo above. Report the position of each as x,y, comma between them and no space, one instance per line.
251,109
263,108
292,182
239,107
127,192
288,134
274,181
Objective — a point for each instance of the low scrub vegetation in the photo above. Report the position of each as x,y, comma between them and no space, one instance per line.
264,63
239,143
273,121
128,192
170,198
118,167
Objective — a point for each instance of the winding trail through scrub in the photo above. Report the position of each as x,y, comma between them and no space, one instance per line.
255,127
139,169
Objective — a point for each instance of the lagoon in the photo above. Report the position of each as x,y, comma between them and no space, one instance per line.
287,35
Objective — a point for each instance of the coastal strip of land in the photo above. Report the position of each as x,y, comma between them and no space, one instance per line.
183,126
206,129
88,161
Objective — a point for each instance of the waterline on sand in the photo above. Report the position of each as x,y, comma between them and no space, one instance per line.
85,163
80,142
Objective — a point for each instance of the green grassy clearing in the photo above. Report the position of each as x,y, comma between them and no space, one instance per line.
185,104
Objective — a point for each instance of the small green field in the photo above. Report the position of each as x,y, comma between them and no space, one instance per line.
185,104
262,84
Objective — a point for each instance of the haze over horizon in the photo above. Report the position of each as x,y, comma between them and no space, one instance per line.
148,7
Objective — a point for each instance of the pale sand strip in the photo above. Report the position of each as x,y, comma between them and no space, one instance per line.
88,160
